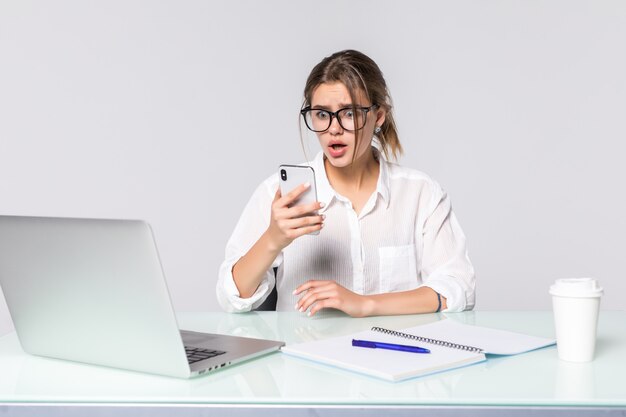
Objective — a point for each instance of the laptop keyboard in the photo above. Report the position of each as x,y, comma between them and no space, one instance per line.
197,354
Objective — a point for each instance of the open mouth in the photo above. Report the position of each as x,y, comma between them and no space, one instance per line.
337,150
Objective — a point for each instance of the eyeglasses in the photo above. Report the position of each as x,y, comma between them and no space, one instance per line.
349,118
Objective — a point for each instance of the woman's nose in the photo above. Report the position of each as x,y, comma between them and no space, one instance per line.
335,127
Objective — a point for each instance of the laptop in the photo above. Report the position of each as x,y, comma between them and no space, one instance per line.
93,291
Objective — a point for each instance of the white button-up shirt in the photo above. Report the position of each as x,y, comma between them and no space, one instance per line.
406,236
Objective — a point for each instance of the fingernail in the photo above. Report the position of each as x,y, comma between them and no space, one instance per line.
301,310
294,292
323,216
296,306
308,314
322,204
307,184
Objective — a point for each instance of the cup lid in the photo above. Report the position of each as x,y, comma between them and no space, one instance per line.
576,287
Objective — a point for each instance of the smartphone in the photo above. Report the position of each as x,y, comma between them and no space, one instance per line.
291,176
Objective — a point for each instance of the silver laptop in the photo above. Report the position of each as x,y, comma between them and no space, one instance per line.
93,291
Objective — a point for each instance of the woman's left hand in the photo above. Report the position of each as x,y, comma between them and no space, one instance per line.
329,294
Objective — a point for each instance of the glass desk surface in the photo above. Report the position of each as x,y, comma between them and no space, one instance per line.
536,378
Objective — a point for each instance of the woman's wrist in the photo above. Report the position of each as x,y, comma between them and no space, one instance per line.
369,306
271,244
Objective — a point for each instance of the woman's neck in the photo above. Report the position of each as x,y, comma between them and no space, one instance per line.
358,177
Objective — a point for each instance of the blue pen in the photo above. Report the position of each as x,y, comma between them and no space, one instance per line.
390,346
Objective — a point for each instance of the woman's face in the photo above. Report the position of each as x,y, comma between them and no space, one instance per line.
339,144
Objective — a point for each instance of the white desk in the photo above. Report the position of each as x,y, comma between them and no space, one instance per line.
276,384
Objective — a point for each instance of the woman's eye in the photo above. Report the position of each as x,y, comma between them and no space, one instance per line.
349,114
321,115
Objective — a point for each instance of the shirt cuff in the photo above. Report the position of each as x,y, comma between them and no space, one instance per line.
229,297
453,292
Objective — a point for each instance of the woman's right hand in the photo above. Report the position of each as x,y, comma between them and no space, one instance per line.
288,223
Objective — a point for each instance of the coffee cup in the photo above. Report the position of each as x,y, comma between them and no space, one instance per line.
576,304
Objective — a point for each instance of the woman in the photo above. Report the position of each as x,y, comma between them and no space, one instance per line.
388,242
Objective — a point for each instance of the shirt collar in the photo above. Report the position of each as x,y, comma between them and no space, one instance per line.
326,193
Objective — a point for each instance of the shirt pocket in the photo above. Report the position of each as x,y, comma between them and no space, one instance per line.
398,268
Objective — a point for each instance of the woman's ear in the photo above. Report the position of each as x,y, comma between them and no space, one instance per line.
380,116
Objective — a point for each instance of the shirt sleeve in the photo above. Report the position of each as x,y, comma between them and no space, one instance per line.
251,225
446,267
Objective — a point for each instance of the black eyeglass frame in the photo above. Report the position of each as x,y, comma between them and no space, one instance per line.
335,114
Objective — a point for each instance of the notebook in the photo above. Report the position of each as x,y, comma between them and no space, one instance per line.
451,344
93,291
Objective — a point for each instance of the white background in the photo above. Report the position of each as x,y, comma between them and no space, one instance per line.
174,111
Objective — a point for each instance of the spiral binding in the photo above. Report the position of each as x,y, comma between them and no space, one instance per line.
428,340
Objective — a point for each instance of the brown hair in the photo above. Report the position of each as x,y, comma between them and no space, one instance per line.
357,72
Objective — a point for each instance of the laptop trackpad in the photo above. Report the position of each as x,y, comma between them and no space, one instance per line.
226,343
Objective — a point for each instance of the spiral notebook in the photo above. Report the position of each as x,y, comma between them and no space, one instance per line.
451,344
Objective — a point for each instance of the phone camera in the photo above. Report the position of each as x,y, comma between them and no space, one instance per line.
283,175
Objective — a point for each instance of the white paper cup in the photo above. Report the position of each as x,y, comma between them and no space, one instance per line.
576,303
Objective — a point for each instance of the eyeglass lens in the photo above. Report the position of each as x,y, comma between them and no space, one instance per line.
320,120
